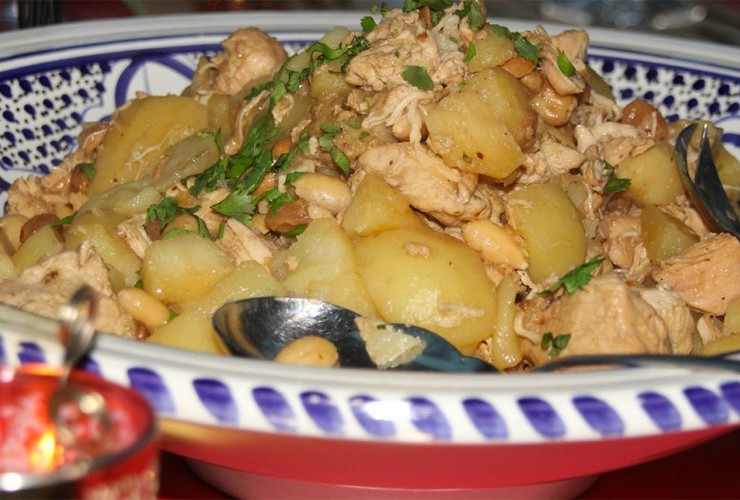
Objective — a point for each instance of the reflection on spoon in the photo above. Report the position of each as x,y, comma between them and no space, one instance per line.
262,327
705,187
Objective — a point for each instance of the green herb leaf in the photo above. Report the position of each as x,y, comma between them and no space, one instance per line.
166,211
239,204
418,77
578,277
295,231
379,9
566,67
501,31
613,183
470,53
554,344
64,221
368,24
527,49
472,10
88,169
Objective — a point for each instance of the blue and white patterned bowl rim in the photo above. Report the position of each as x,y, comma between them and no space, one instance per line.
81,72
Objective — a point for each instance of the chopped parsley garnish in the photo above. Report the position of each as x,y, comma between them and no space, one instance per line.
88,169
470,53
471,9
613,183
326,143
243,172
418,77
578,277
166,211
295,231
436,7
566,67
527,49
379,9
501,31
554,344
368,24
64,221
523,47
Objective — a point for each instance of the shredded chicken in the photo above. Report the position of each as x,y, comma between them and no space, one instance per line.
434,188
607,316
248,54
47,286
705,275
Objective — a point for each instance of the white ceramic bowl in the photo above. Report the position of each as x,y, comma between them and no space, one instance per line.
257,428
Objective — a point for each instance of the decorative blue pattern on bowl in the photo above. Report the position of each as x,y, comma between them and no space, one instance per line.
506,408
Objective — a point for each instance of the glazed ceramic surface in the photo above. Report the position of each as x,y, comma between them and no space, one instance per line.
373,429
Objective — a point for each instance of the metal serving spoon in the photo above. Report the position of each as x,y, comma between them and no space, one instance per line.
705,188
260,328
80,417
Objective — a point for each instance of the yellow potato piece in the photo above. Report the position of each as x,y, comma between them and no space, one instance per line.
665,236
193,329
554,238
43,242
100,229
322,265
184,268
139,136
377,207
654,176
429,279
480,128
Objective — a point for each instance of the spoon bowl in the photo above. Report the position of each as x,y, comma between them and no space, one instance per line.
261,327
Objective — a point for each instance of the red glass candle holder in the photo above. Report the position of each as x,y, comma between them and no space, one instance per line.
34,465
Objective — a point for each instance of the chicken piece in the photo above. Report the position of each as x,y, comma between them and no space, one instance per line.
574,44
248,54
51,194
402,39
623,232
400,109
553,158
706,275
45,287
606,316
684,211
399,40
134,234
445,193
241,243
675,314
615,141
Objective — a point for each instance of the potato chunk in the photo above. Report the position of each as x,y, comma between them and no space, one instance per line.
100,229
554,238
654,176
665,236
193,330
377,207
322,265
43,242
482,128
139,136
429,279
184,268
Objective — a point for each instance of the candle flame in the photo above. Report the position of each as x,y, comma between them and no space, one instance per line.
44,455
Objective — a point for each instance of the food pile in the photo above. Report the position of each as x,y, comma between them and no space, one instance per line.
435,169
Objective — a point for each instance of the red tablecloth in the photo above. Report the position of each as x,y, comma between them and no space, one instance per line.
711,470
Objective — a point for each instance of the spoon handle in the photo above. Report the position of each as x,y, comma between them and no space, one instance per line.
77,330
